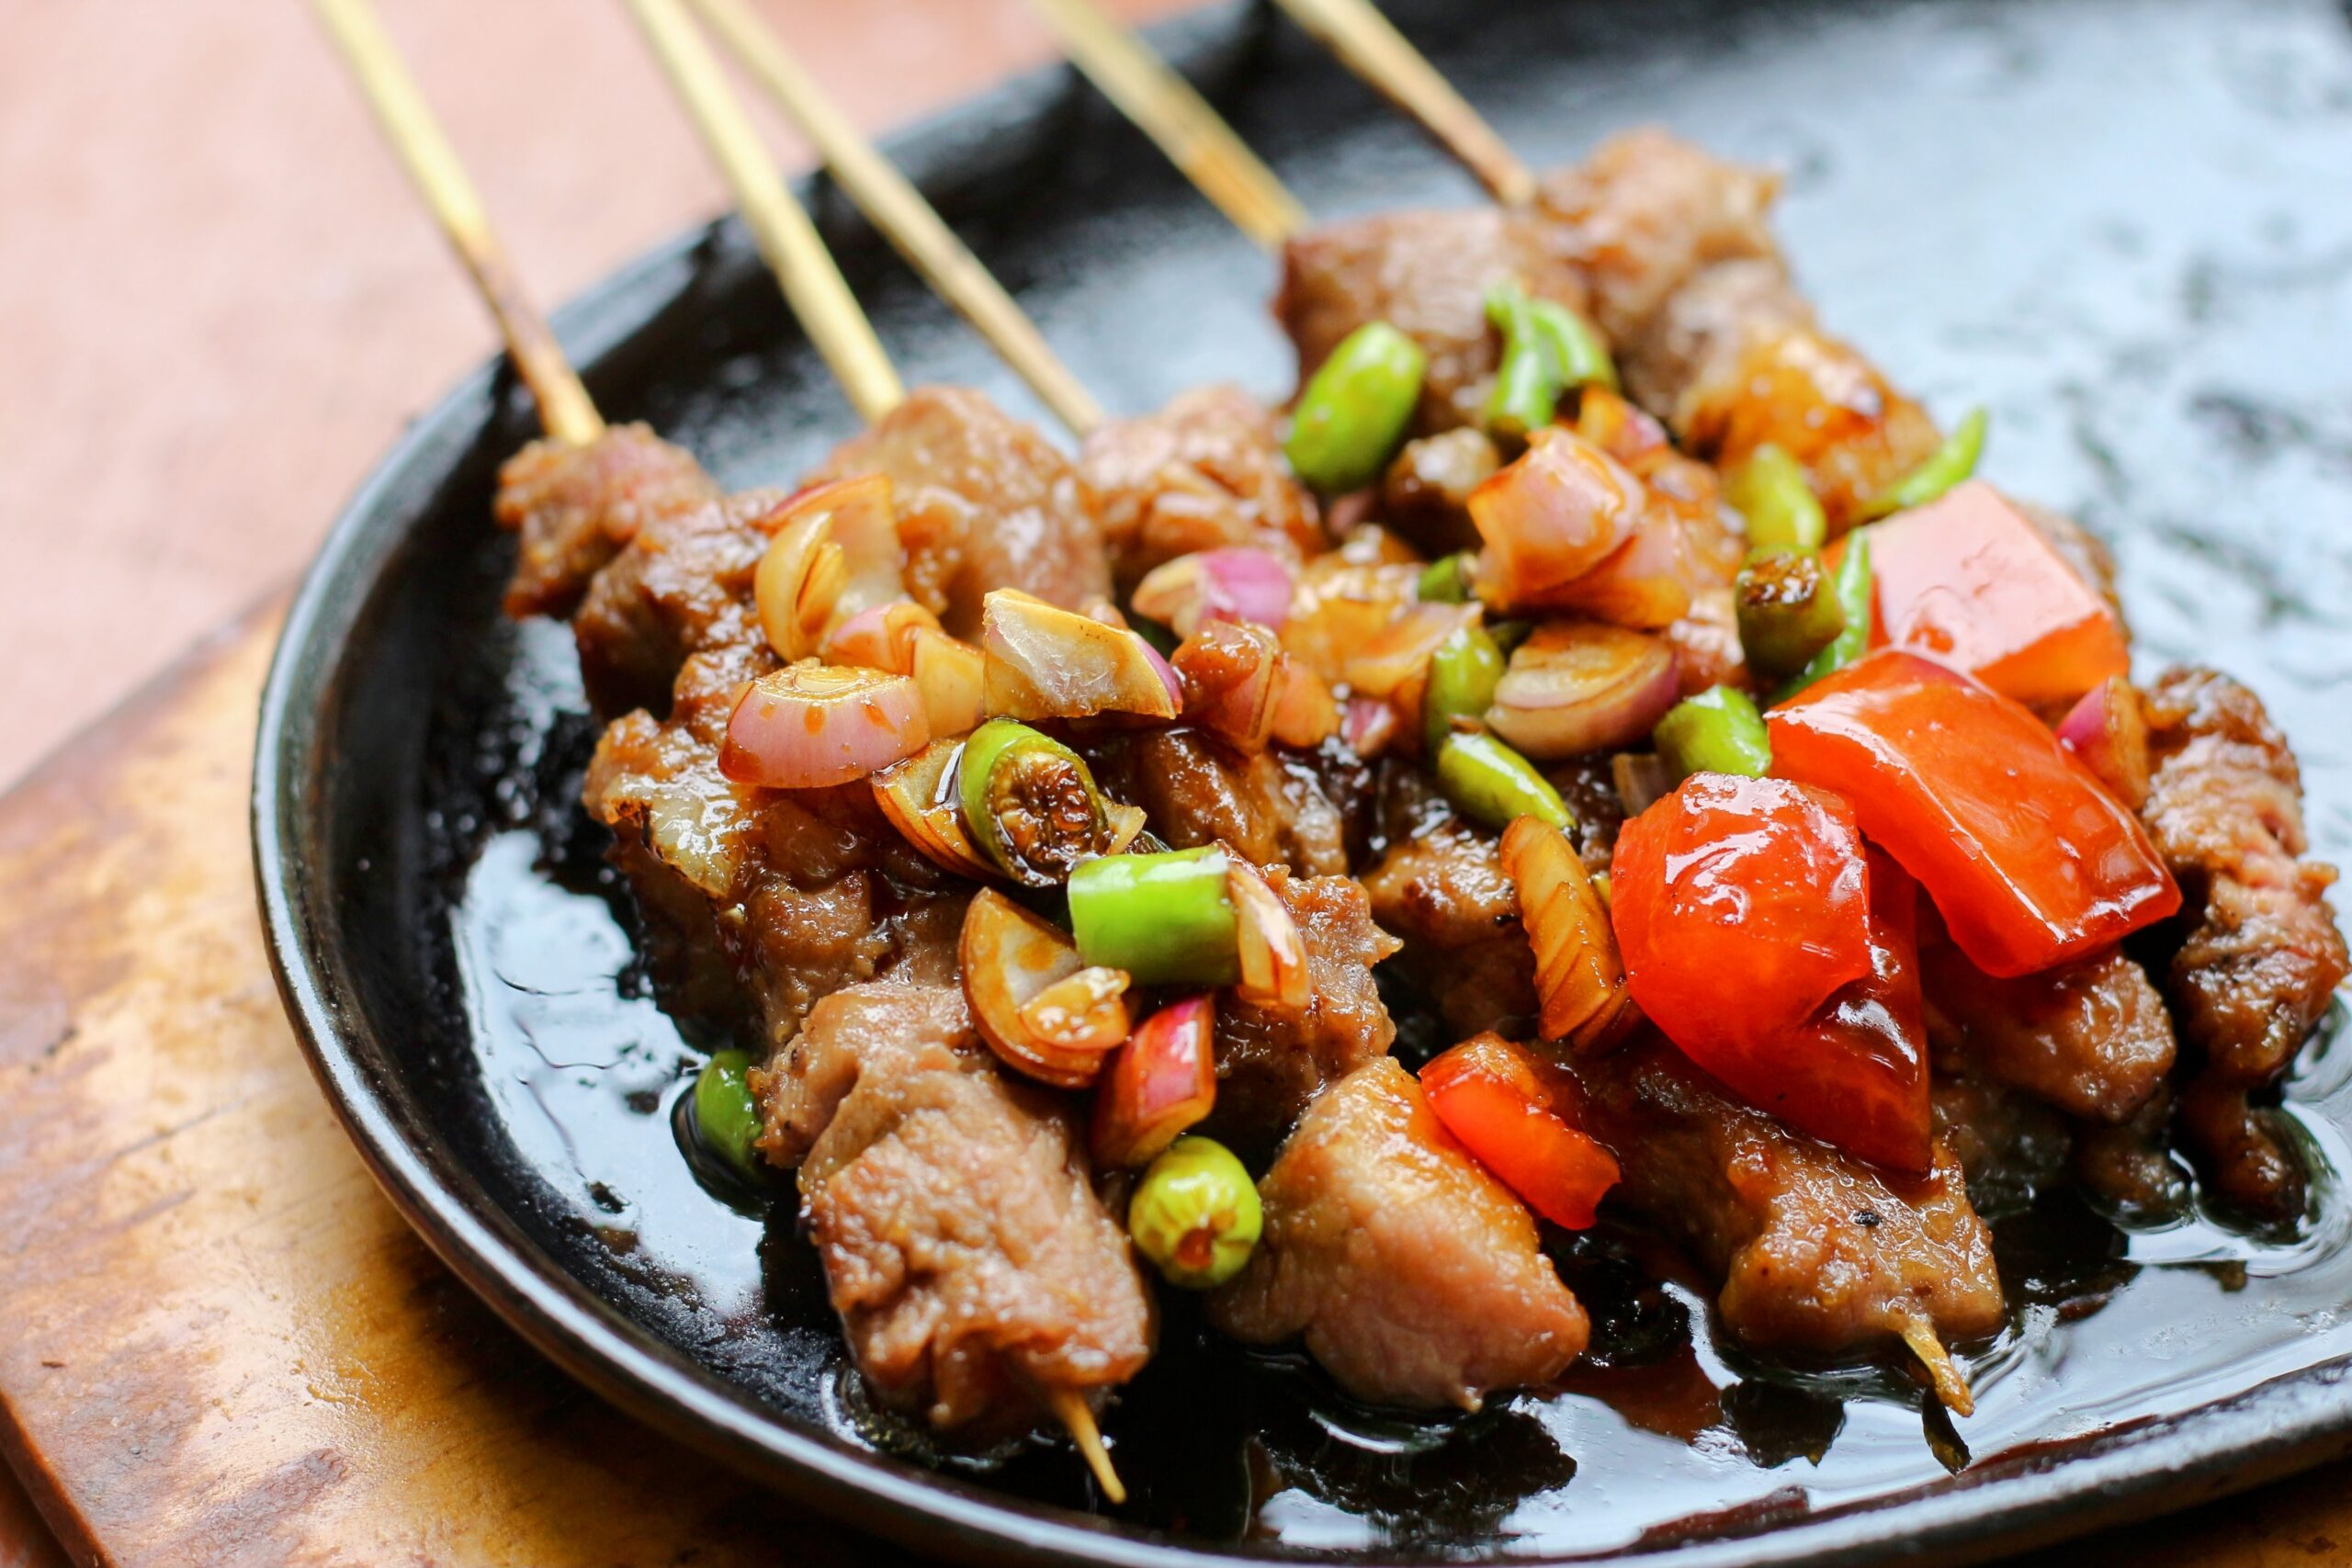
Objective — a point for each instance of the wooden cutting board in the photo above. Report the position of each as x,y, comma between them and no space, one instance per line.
218,1343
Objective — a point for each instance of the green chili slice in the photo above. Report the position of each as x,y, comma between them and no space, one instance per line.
1787,610
1852,582
1575,346
1164,919
1195,1214
726,1119
1718,731
1356,410
1030,802
1463,673
1951,463
1446,580
1494,786
1770,490
1529,376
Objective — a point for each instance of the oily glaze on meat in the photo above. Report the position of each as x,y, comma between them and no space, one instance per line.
1204,473
984,501
680,585
2092,1039
1271,1060
575,507
1816,1251
2263,956
1263,805
972,1264
1413,1275
1427,275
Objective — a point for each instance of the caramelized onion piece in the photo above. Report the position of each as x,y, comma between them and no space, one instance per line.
1305,713
1043,662
834,553
881,637
1011,959
1162,1081
2108,730
810,725
1272,955
951,675
1579,686
1398,655
918,797
1228,671
1237,584
1579,977
1550,517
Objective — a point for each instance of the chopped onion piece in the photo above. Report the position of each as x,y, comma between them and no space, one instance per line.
918,796
951,675
835,552
1162,1081
1341,602
1305,713
1237,584
881,637
1272,954
1399,653
1126,826
1579,686
1010,959
1643,780
1043,662
1228,671
1550,517
1649,582
2108,730
1579,977
1368,726
809,725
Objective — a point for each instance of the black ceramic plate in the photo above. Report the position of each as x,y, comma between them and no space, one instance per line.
2124,224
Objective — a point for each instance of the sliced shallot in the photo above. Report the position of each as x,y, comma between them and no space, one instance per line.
1162,1081
1579,976
1043,662
1579,686
809,725
835,553
1550,517
1272,954
1012,959
1236,584
918,796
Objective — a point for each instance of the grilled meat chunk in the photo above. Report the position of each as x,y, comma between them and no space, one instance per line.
984,501
1816,1251
1425,495
576,506
2092,1039
1427,275
2008,1143
1204,472
1444,894
1414,1275
758,902
1271,1060
974,1267
1267,808
680,585
2225,809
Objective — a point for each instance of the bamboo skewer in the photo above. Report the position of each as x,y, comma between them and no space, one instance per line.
1944,1373
565,409
1165,106
1370,45
900,211
1070,1409
813,285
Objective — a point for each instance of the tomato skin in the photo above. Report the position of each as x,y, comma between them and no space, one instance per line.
1491,1096
2029,861
1739,894
1969,580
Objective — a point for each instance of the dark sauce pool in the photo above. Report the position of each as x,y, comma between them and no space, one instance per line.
2163,343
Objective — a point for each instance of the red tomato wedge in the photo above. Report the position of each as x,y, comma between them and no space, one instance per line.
1969,580
1740,902
2029,859
1490,1094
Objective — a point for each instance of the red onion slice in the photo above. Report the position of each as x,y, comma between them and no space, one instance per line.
809,725
1579,686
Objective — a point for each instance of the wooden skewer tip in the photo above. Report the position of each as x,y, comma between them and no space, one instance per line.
1070,1409
1942,1371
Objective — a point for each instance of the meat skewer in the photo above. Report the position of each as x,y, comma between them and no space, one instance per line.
601,487
1166,109
893,205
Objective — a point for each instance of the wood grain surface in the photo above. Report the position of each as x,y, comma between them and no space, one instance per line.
218,1343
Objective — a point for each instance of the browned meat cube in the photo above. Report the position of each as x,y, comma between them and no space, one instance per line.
682,584
1816,1251
1413,1274
1425,494
1270,1060
974,1267
1264,807
2225,809
1204,472
2092,1039
984,501
576,506
2263,956
1427,275
1443,893
758,902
